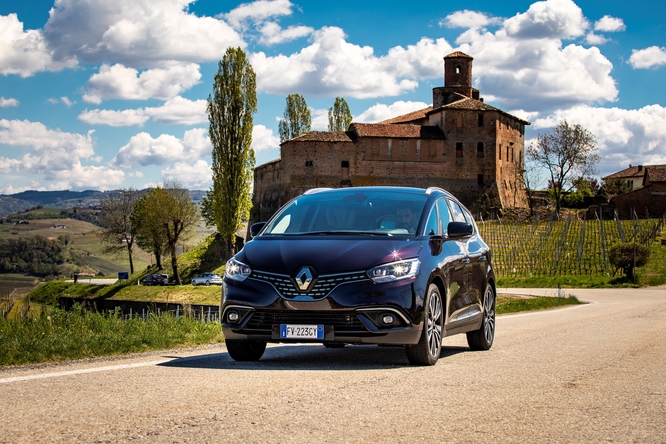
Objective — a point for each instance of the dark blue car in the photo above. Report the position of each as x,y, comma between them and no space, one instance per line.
367,265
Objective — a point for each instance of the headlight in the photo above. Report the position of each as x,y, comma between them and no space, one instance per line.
237,271
395,271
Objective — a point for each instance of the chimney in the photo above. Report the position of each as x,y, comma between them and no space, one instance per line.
640,168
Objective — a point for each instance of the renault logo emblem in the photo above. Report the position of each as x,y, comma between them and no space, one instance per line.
304,278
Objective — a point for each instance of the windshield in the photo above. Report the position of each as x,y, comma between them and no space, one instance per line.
381,212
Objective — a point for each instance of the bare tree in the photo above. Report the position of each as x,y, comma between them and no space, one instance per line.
118,232
567,152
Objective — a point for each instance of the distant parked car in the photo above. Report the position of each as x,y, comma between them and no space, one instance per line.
207,279
156,279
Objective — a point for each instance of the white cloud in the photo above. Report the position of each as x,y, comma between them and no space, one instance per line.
198,176
595,39
524,64
120,82
179,111
333,67
128,117
55,155
26,52
143,149
550,19
319,119
272,33
6,103
623,136
263,138
380,111
468,19
175,111
136,33
257,11
648,57
68,103
609,24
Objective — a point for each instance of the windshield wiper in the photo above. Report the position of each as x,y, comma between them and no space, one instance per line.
345,233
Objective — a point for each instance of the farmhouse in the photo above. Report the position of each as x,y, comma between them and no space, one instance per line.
648,194
459,143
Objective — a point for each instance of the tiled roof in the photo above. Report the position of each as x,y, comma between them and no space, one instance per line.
469,104
458,54
656,173
639,171
405,131
323,136
410,117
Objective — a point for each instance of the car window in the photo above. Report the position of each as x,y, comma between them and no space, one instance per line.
341,211
432,226
457,212
444,216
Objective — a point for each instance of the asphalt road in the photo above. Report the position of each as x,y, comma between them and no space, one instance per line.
590,373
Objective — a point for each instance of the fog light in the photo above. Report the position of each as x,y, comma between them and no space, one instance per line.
387,319
233,316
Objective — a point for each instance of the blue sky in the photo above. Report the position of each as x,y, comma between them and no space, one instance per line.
111,94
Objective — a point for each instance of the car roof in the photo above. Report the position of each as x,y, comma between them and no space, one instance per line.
412,190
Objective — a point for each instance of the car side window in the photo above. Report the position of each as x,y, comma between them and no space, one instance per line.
457,212
432,226
444,216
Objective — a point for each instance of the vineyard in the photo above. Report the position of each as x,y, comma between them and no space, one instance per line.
574,246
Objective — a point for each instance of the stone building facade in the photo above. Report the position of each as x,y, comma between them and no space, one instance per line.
460,144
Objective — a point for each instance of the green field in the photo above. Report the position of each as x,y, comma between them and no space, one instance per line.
83,238
575,250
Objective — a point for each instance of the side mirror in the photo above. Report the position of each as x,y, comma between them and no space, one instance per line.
256,228
459,229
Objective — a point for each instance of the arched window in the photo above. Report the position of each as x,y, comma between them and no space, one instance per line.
458,69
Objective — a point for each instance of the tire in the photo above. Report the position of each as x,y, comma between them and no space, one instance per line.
194,284
207,284
245,350
334,344
482,339
427,350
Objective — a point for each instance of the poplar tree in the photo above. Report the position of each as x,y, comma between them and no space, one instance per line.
230,109
339,116
297,118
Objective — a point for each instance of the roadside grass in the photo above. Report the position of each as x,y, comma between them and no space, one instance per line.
514,304
58,335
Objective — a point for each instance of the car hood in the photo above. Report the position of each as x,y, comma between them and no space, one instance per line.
327,254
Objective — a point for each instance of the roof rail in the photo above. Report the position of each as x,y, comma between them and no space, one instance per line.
315,190
431,190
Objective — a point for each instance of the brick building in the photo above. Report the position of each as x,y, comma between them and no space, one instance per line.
648,195
459,143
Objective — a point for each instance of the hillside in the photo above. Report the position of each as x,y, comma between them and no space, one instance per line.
13,203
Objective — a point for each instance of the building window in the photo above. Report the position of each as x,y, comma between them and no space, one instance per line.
458,69
309,163
345,164
507,154
459,151
480,119
631,184
500,152
479,149
479,179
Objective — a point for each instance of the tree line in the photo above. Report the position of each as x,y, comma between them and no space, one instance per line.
36,255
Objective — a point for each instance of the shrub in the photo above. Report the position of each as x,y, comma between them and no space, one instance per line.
621,257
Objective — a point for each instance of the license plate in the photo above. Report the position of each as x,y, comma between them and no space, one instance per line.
288,331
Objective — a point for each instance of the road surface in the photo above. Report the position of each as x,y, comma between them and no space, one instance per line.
590,373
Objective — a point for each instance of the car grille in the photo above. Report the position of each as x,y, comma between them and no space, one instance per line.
324,285
341,322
